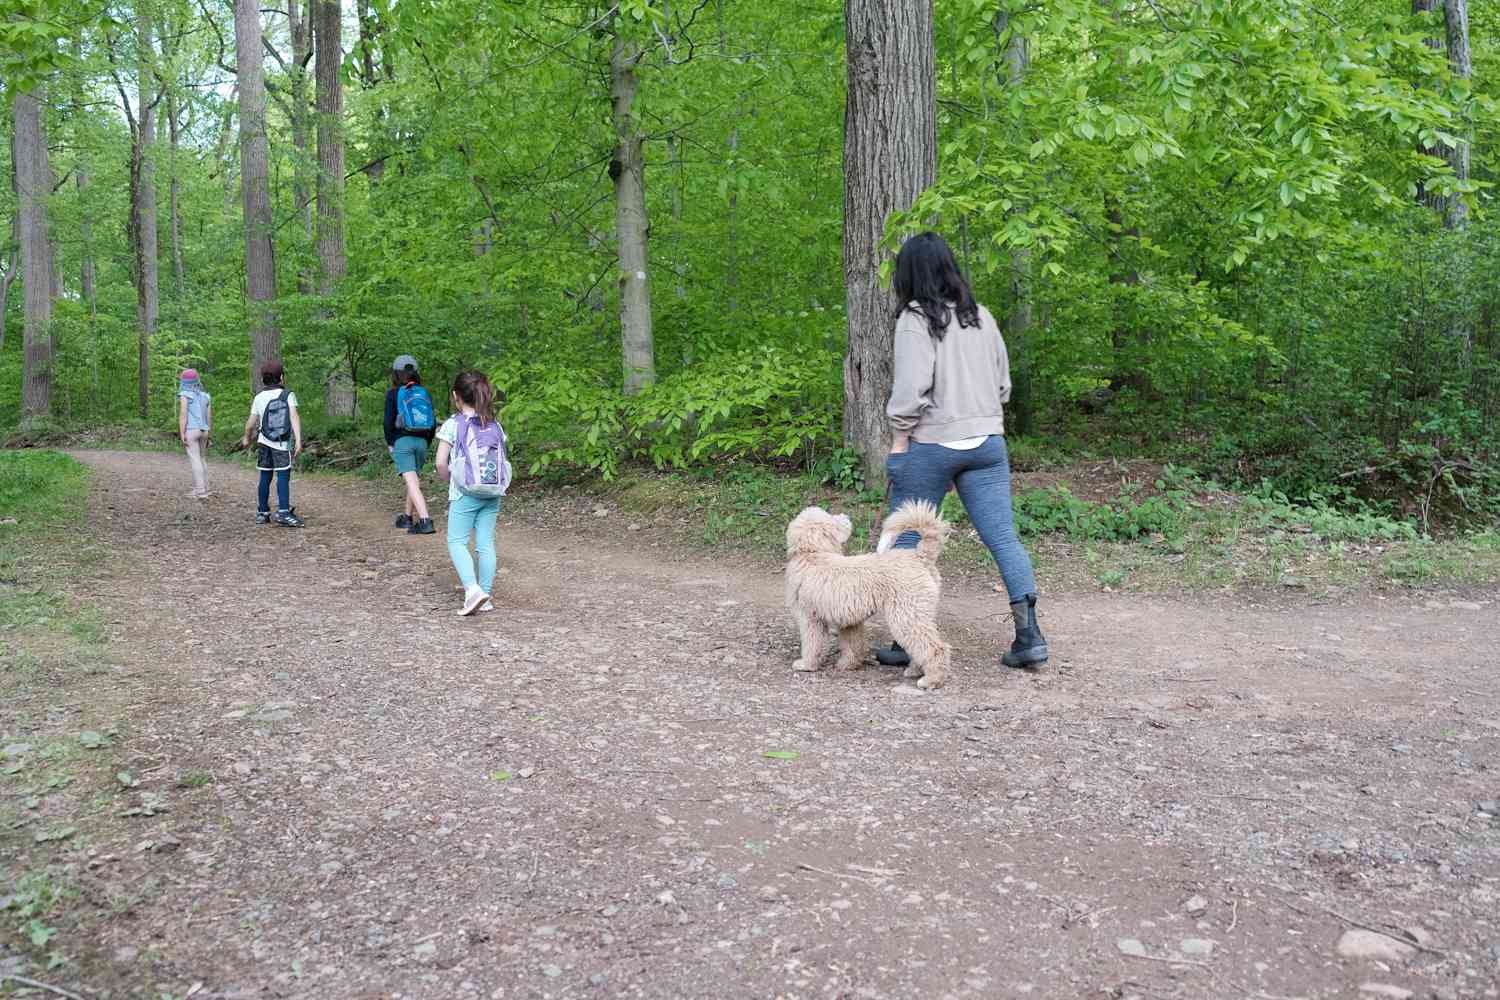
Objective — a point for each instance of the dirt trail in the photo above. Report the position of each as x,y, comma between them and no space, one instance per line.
570,796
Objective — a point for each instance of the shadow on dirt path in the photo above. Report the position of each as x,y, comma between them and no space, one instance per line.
571,796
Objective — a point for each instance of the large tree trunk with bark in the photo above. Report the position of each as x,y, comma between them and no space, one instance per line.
890,157
628,169
1018,321
330,95
33,174
143,215
302,175
255,189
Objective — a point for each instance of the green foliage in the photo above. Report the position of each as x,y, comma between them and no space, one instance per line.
760,403
1057,510
39,490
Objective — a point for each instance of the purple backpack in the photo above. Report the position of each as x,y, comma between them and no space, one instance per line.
480,468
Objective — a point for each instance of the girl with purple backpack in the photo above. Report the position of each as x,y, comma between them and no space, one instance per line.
471,456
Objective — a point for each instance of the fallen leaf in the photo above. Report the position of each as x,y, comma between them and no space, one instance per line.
781,754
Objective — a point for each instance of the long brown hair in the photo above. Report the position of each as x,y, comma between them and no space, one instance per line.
475,390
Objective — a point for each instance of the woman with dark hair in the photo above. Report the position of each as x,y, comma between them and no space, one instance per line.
952,379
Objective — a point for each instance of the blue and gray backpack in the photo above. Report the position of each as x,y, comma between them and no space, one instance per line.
414,409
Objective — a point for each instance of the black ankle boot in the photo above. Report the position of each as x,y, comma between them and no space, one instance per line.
893,656
1029,648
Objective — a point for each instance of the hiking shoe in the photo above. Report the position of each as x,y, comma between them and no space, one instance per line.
893,656
1029,648
287,519
422,526
403,520
472,600
262,517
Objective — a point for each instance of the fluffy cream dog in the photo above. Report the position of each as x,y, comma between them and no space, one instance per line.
827,589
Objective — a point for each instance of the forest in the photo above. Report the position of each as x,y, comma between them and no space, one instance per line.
1251,237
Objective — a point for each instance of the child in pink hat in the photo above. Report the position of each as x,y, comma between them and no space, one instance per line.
195,421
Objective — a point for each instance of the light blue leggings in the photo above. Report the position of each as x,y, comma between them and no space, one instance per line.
468,514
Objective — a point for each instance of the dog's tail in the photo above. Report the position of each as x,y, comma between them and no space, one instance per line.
921,517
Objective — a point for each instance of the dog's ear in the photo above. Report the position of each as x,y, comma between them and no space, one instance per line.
844,527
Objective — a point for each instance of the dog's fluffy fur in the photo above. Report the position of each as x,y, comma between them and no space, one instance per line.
827,589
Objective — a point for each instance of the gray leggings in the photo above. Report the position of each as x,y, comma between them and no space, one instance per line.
982,476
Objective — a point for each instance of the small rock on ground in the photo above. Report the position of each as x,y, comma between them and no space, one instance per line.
1359,943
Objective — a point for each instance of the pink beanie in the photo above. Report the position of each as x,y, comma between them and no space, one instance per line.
190,374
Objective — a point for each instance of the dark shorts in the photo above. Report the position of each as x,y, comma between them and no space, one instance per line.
409,453
269,459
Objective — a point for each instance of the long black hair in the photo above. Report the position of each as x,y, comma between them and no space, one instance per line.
928,281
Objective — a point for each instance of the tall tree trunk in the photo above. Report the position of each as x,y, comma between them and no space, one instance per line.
255,189
1460,60
32,188
1018,322
628,169
300,20
143,214
330,93
175,220
890,157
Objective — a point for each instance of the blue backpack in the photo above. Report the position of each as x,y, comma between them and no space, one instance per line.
414,409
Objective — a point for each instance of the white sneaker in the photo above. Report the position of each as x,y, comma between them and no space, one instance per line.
487,605
472,600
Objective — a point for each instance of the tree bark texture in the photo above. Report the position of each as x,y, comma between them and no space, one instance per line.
143,214
628,168
1460,60
890,157
33,174
300,20
330,96
173,191
1018,322
255,189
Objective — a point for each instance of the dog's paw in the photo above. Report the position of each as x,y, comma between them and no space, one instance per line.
803,665
850,664
930,683
913,671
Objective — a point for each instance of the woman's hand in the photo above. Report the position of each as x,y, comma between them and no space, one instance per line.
900,443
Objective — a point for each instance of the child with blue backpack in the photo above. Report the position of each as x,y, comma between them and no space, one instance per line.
409,425
471,456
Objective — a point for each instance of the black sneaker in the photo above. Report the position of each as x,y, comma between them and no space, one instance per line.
287,519
893,656
262,517
422,526
403,520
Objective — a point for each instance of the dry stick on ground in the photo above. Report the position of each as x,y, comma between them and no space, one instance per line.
33,984
825,871
1405,937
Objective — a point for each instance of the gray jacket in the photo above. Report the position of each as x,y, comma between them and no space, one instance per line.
949,389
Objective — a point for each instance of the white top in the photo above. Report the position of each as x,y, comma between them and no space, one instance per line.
448,434
965,444
258,409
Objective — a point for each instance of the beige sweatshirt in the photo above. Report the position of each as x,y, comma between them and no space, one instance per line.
949,389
